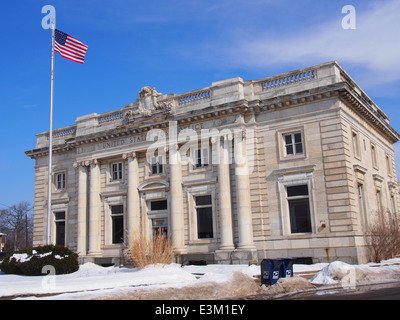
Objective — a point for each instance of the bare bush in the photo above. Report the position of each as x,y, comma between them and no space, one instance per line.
143,250
383,239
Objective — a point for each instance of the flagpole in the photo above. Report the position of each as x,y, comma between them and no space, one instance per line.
48,235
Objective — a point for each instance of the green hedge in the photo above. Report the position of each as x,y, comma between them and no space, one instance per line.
30,261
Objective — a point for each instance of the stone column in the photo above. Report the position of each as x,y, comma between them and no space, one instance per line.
94,209
82,209
243,198
224,190
133,201
176,201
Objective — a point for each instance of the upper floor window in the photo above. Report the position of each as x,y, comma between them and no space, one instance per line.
156,165
373,156
293,143
389,165
116,171
356,144
59,181
201,158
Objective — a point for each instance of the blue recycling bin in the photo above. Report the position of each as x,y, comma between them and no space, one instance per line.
288,267
271,271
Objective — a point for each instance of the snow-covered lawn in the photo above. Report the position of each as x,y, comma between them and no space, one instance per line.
92,281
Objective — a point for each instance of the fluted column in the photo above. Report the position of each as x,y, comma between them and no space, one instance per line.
82,209
243,198
224,188
94,209
133,201
176,201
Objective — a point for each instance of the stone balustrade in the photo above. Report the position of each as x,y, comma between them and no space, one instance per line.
110,117
63,132
288,79
193,97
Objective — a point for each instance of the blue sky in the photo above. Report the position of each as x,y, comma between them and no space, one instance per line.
175,46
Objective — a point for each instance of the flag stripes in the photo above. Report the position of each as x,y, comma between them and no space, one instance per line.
69,47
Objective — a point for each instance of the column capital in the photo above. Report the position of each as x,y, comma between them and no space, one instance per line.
128,155
84,163
94,162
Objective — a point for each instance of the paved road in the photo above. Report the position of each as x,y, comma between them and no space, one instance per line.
373,292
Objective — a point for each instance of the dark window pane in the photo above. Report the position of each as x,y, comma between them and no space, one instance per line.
203,200
297,137
300,220
299,148
297,191
204,223
60,215
288,139
117,209
289,149
60,233
159,205
118,229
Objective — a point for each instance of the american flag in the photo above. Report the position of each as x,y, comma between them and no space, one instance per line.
69,47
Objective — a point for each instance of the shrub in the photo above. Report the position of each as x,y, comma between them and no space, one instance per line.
383,239
30,261
143,251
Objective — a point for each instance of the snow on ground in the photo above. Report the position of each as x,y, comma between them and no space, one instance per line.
92,281
348,275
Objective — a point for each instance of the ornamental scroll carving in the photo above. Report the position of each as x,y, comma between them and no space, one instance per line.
147,104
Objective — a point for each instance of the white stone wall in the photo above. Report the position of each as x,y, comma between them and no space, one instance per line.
321,102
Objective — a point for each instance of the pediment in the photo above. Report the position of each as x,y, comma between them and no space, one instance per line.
156,184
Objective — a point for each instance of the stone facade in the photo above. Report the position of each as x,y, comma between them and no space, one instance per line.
294,165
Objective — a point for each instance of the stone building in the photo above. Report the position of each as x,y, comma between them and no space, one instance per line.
293,165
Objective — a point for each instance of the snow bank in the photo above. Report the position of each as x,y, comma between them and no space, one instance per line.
193,282
93,277
350,275
286,285
220,273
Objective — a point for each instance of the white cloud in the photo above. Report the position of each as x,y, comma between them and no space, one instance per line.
373,47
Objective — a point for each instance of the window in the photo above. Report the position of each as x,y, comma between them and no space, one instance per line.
60,181
59,219
356,146
117,219
362,205
299,208
293,143
160,226
204,217
116,171
388,165
158,212
201,158
393,200
156,166
379,202
158,205
373,156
